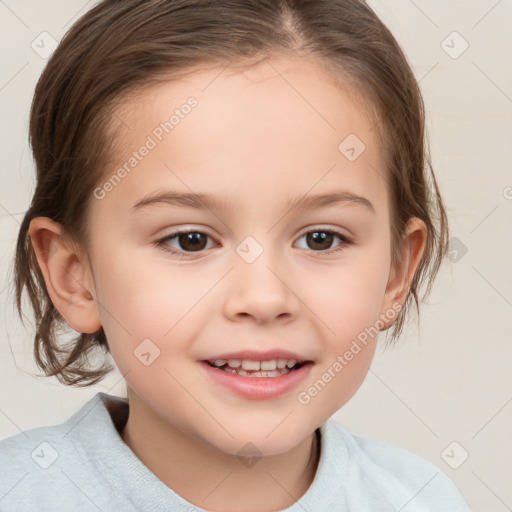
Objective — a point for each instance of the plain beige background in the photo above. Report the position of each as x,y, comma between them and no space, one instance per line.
445,392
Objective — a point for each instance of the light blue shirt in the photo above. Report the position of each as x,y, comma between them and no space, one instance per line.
83,465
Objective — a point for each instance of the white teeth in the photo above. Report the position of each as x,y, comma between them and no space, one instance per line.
269,365
243,373
247,364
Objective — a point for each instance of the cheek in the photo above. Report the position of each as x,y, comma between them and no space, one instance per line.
141,289
349,303
148,301
349,342
350,298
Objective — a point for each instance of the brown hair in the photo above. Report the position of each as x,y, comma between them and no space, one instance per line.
118,47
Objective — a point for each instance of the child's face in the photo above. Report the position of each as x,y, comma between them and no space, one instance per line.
256,140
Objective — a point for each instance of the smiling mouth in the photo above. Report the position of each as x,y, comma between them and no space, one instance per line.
251,368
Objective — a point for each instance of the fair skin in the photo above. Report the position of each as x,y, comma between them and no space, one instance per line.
253,142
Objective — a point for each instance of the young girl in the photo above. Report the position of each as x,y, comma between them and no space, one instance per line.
233,199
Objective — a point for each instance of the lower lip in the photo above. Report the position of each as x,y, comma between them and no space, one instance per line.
258,388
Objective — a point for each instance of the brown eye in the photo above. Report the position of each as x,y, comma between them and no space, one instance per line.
323,240
319,240
193,241
183,243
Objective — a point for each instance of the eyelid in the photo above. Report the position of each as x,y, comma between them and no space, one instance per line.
190,228
324,227
337,232
161,242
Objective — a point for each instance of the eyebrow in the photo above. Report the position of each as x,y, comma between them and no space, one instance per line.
209,202
317,201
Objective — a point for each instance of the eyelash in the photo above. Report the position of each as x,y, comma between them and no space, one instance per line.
163,242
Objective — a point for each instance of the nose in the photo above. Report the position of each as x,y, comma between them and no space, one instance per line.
261,291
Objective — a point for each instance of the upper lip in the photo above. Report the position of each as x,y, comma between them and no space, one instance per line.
255,355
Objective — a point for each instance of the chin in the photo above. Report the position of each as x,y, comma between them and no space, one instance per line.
260,440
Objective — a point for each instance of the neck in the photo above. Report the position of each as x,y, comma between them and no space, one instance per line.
212,479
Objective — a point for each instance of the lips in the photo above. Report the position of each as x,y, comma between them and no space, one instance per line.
256,384
258,375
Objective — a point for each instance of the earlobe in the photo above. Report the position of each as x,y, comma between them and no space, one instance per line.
402,272
66,276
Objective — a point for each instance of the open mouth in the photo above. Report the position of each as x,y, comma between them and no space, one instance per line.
251,368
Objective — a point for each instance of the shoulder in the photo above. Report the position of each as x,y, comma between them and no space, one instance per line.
38,447
31,465
409,481
41,467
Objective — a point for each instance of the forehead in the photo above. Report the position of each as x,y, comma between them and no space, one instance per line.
260,128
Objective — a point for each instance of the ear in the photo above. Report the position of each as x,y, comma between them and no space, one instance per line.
68,279
402,272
